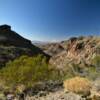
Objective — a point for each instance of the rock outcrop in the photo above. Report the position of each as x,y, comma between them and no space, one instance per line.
77,50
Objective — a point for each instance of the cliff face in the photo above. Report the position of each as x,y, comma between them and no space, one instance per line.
13,45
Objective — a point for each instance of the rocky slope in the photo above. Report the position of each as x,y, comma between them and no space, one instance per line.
13,45
52,48
78,50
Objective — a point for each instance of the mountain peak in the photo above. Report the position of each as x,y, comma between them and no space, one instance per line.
5,27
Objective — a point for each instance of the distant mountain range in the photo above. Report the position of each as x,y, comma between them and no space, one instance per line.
39,42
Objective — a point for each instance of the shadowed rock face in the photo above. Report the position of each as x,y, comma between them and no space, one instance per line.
9,37
13,45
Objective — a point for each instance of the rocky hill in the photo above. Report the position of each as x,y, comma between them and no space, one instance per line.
52,48
78,50
13,45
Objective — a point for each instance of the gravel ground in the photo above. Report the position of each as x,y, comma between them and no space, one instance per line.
58,95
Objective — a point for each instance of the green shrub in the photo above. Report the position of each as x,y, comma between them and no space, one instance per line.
70,71
27,70
96,61
92,73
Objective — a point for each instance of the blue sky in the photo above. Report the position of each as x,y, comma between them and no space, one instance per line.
51,20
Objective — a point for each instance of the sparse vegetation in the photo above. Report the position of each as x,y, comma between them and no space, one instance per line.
94,70
96,61
92,73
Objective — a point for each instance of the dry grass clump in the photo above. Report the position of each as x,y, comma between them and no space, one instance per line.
20,88
78,85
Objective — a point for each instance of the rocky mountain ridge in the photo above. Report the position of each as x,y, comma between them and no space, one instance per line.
12,45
